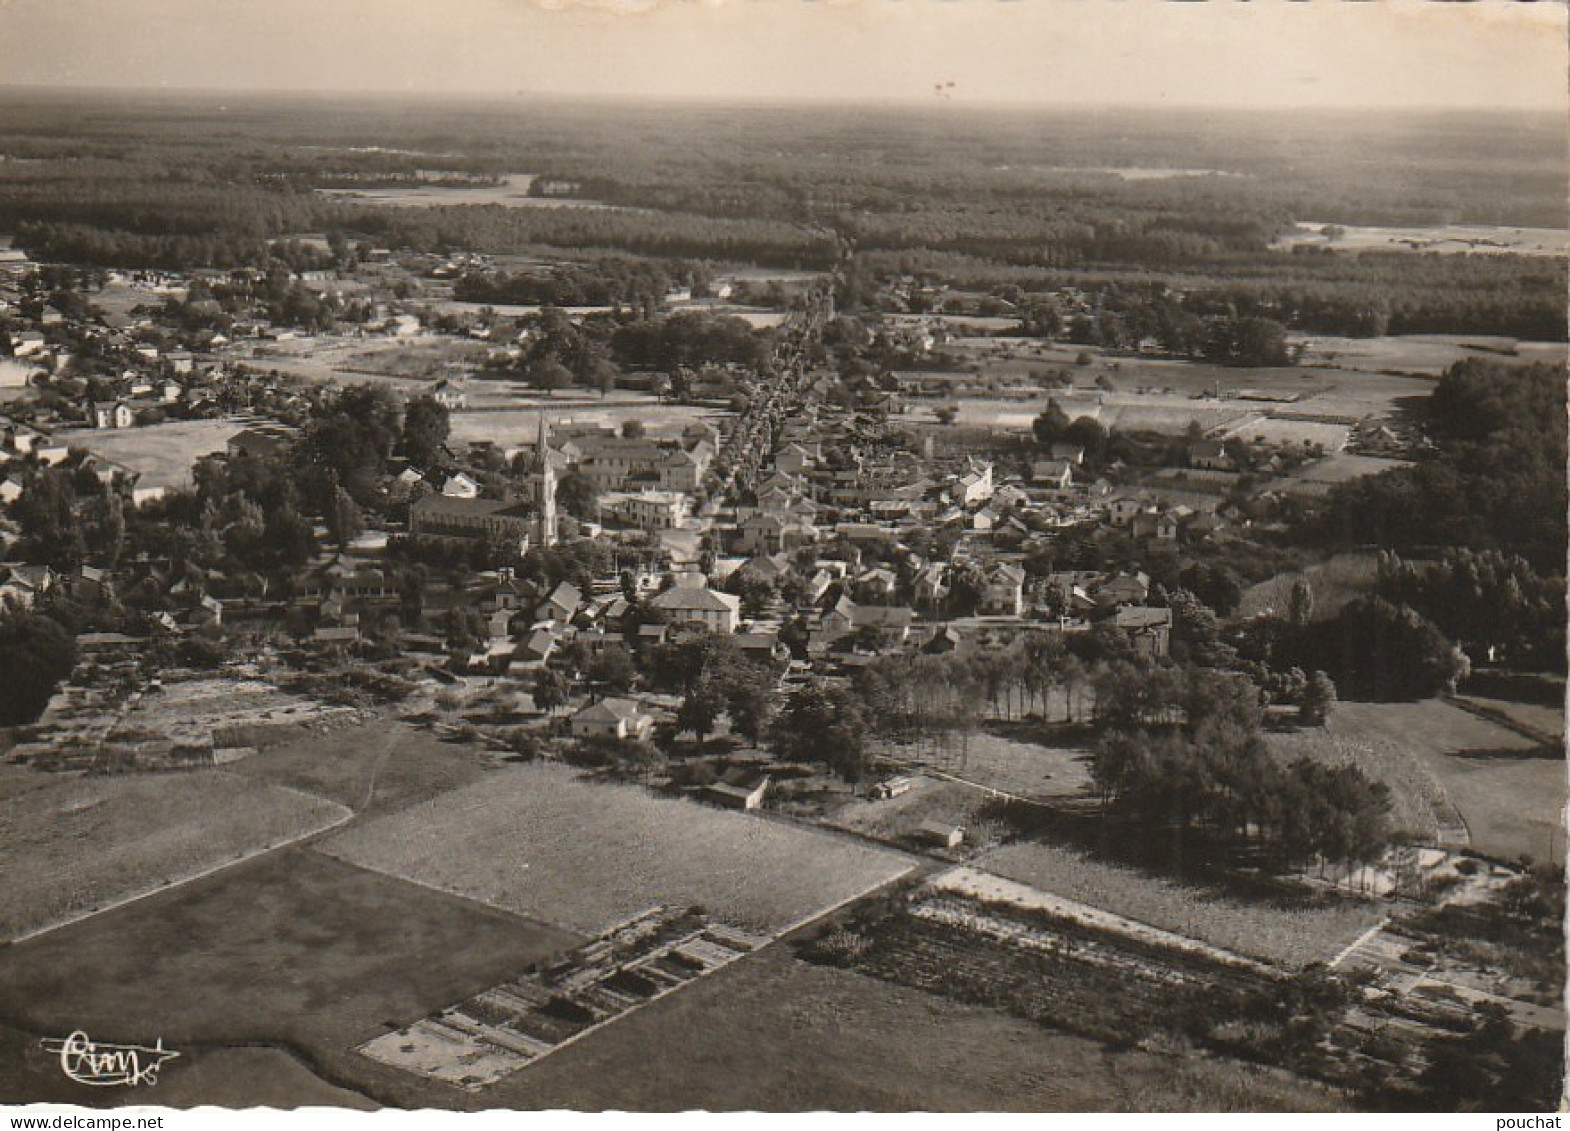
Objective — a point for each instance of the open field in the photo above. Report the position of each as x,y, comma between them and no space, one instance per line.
518,427
513,192
537,840
293,949
380,767
1318,477
1277,430
1420,807
1335,582
82,842
1509,790
929,799
1345,379
161,453
1286,935
1419,354
250,1077
773,1033
354,360
1451,238
1010,762
1548,721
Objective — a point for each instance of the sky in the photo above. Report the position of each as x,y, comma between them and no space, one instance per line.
1270,54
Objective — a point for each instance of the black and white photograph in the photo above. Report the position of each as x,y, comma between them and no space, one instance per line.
783,556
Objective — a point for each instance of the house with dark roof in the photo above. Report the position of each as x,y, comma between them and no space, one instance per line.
441,519
1148,629
694,604
739,788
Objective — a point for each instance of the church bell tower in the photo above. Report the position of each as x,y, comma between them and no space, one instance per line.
545,492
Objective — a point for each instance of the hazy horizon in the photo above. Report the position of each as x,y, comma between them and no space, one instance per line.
1049,54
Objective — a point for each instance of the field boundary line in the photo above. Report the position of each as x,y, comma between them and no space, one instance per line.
136,897
1346,951
1500,719
429,886
780,935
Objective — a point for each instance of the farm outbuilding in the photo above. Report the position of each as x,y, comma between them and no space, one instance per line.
739,789
940,833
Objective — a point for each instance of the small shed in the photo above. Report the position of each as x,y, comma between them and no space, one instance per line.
940,833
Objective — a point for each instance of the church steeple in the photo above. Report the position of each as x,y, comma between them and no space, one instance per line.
545,487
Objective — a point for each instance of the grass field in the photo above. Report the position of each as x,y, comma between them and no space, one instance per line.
1287,935
161,453
1440,238
539,841
1334,582
82,842
928,799
293,949
773,1033
1548,721
1510,791
1417,799
380,767
250,1077
1006,759
520,426
1318,476
512,192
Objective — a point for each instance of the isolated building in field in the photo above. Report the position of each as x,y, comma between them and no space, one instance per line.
739,788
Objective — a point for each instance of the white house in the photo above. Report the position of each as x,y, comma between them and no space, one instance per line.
460,486
612,718
110,414
653,510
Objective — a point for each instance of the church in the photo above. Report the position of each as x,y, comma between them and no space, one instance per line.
518,523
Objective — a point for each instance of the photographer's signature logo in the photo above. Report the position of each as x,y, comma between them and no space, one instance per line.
104,1065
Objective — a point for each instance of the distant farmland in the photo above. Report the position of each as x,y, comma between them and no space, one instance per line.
538,841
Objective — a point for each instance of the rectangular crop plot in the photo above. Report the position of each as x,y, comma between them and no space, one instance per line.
539,841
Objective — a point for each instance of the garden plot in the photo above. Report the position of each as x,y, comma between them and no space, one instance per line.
84,843
1053,963
177,724
500,1030
1318,476
226,714
539,841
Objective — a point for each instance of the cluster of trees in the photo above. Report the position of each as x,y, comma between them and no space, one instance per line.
822,722
610,281
69,518
1497,481
36,653
934,700
1372,649
983,203
690,339
1180,748
1361,296
1495,606
715,679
